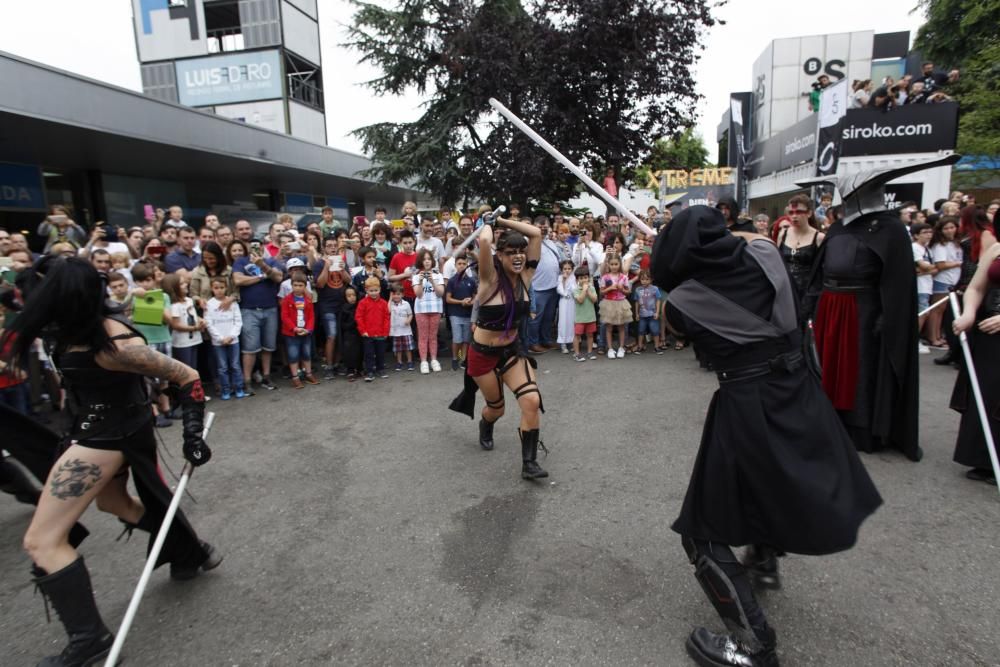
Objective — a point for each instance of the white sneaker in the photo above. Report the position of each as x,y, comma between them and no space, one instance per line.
611,354
425,368
435,366
923,349
565,349
621,353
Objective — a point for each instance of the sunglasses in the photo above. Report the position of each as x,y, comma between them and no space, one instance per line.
512,253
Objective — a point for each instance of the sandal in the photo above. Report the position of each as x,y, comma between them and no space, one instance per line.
678,345
297,383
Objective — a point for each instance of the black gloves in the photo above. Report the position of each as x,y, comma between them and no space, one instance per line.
192,401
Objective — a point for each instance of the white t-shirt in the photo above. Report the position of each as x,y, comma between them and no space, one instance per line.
398,313
428,300
184,311
433,244
947,252
925,283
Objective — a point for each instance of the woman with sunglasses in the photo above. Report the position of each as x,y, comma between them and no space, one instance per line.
494,357
799,243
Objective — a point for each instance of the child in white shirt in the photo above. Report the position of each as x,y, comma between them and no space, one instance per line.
224,326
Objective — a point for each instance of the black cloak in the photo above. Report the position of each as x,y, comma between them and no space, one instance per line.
893,360
775,465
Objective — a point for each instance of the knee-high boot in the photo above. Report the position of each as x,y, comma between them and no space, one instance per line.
486,433
529,455
751,642
72,597
761,562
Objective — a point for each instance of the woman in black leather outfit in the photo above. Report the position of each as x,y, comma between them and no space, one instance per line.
494,358
800,242
104,363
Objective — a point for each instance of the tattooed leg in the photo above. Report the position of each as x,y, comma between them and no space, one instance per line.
79,475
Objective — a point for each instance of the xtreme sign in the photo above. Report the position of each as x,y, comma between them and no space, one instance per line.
672,179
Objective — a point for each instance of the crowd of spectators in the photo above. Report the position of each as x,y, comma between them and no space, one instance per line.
929,87
351,299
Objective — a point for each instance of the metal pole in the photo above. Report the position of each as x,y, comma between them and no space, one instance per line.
562,159
154,553
974,381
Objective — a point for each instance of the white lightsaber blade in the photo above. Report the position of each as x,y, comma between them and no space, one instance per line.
154,553
930,308
564,161
974,381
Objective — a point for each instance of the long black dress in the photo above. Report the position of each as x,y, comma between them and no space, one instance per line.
775,465
866,330
970,446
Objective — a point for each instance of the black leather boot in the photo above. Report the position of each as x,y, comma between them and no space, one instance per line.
529,453
714,650
17,481
486,433
183,572
72,597
762,564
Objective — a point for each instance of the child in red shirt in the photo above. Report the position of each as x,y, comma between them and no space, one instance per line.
297,324
372,316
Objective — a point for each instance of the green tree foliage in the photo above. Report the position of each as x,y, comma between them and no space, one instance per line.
966,34
685,151
599,79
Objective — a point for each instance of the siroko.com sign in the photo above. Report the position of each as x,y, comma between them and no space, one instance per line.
226,79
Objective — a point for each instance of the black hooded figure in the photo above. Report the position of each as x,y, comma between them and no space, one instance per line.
862,297
765,475
731,212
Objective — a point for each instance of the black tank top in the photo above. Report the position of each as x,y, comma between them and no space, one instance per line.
494,316
105,405
799,260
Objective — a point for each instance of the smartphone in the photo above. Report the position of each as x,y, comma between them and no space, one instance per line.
295,245
156,250
58,219
255,246
147,212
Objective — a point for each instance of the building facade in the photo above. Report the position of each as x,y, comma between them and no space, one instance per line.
254,61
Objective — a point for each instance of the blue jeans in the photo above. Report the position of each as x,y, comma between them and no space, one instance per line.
540,328
187,355
374,354
299,348
230,373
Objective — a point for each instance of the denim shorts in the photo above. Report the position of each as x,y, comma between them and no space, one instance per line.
923,301
329,323
942,288
649,325
461,329
299,348
260,330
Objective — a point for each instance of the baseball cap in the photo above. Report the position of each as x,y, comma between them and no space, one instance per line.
294,263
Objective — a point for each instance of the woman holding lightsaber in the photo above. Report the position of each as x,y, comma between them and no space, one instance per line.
104,363
981,320
494,354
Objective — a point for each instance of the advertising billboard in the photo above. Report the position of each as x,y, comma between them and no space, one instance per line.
227,79
268,114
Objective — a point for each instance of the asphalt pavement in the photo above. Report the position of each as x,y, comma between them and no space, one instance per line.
362,525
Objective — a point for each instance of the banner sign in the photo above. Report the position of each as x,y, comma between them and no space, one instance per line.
682,188
897,193
21,187
913,128
832,109
240,77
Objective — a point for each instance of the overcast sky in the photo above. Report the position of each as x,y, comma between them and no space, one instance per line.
96,39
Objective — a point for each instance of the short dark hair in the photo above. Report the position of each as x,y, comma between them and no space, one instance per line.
396,288
330,209
381,209
582,270
405,234
918,227
219,280
114,276
367,250
185,228
143,270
